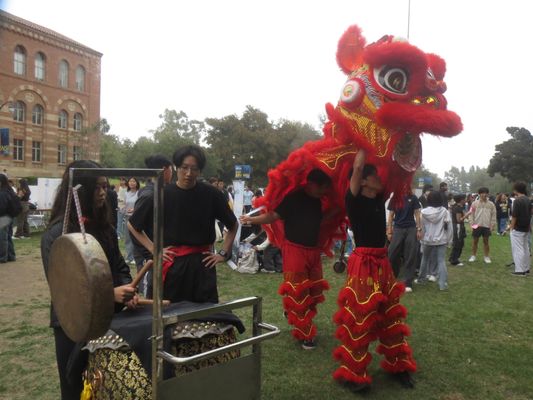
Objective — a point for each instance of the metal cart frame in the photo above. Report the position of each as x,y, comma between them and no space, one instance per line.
236,379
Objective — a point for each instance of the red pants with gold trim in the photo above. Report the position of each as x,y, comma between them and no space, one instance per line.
302,287
369,309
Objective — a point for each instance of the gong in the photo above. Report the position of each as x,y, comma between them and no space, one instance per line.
81,286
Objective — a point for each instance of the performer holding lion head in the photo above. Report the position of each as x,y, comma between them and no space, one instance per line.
394,92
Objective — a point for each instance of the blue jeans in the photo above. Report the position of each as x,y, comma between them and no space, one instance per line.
120,224
502,224
437,253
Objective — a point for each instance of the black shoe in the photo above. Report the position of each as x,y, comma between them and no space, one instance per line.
356,387
308,344
405,379
527,272
519,273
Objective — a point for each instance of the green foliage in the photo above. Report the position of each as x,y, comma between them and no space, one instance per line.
462,181
113,151
471,342
252,139
423,172
513,158
177,129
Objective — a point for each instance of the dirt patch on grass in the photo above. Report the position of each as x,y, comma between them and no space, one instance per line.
24,290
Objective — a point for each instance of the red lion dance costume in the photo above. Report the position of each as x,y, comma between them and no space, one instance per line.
393,94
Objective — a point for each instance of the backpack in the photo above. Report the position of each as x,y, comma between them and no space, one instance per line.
14,207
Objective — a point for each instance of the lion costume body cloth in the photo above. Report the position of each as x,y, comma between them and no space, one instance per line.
393,94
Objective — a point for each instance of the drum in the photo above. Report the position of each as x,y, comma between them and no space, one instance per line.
119,361
81,286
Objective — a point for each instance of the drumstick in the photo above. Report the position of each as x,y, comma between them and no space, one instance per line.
149,302
141,273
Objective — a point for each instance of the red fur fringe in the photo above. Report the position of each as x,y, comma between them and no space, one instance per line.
348,298
421,119
344,374
350,49
290,304
399,366
396,351
393,330
397,311
343,334
299,335
342,355
293,319
397,290
344,317
297,290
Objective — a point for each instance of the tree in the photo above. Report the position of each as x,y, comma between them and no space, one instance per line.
462,181
428,177
112,152
513,158
252,139
177,126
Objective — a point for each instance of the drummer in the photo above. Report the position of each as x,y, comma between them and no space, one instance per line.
190,210
97,217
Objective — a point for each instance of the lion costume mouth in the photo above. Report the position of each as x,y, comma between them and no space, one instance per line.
408,152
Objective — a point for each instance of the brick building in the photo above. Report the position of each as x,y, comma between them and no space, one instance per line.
49,97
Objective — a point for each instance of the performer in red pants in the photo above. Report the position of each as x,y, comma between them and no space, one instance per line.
301,212
369,307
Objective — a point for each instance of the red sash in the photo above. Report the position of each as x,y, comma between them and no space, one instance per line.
180,251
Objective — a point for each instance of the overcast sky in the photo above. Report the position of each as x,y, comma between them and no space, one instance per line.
211,58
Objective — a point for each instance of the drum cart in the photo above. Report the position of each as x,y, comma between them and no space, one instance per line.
236,379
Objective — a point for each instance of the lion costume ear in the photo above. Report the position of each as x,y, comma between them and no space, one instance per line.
350,49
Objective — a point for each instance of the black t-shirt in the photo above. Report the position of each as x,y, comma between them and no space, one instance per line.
367,218
457,209
522,213
405,217
190,214
302,215
142,218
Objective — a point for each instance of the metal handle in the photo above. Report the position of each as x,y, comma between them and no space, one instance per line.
273,331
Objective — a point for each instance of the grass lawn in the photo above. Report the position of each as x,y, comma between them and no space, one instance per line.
471,342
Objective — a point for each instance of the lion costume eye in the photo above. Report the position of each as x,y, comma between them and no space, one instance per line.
392,79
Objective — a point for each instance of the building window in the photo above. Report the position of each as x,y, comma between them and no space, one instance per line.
18,149
63,74
76,152
61,153
36,151
37,115
39,66
19,111
78,119
62,120
19,61
80,78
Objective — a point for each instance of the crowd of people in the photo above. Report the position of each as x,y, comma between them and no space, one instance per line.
391,252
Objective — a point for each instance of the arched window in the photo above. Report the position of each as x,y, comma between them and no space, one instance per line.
80,78
78,119
62,120
37,115
39,66
19,61
63,73
19,111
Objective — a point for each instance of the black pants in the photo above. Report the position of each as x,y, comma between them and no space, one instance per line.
188,279
70,378
457,249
